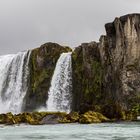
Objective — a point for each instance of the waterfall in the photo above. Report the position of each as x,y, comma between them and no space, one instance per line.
13,81
59,95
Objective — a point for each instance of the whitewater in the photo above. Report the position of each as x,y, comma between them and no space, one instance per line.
14,76
60,92
14,73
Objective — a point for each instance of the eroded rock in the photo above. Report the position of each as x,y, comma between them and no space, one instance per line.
106,75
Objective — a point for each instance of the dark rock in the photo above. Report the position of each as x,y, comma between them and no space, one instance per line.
92,117
106,75
72,117
42,65
50,119
122,73
7,119
87,74
41,118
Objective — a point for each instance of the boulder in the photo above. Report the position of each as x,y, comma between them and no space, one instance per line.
73,117
7,119
92,117
50,119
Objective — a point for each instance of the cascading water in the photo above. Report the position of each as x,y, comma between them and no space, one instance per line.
59,95
13,81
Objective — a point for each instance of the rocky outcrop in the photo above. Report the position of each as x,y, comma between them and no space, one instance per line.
32,118
42,64
87,77
106,75
92,117
41,118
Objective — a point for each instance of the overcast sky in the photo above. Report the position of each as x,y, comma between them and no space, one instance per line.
26,24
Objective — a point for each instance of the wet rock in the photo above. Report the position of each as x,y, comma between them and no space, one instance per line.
106,75
50,119
7,119
92,117
73,117
42,64
87,77
41,118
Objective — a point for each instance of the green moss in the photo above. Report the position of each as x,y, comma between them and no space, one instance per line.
70,118
136,109
87,77
92,117
32,118
7,119
40,78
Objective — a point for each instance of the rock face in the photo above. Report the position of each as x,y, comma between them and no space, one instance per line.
106,75
42,65
87,77
41,118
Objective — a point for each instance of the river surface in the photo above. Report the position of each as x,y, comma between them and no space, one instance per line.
104,131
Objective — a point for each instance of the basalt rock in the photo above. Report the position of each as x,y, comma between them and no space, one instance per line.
106,75
73,117
92,117
41,118
7,119
42,64
87,77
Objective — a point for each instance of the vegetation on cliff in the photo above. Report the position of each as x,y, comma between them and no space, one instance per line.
106,75
87,77
42,65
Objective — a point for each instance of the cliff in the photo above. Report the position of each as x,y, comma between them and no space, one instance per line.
42,64
106,75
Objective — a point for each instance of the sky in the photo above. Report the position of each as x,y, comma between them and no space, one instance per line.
26,24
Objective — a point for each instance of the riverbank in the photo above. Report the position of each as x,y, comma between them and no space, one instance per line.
41,118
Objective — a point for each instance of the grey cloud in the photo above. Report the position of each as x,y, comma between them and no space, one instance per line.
26,24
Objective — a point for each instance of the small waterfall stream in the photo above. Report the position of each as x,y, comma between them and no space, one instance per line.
13,81
59,95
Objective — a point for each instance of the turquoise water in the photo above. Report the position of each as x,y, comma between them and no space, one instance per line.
104,131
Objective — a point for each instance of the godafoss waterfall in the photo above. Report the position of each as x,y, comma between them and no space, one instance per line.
14,73
98,83
60,92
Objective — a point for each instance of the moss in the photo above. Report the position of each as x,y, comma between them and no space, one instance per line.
32,118
68,49
64,120
29,118
40,78
136,109
10,119
7,119
70,118
92,117
87,78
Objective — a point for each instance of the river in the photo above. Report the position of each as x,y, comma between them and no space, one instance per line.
103,131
